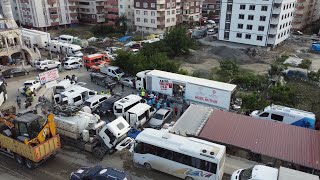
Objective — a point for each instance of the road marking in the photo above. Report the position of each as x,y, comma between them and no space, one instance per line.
14,172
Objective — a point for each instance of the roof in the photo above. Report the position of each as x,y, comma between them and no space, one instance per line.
192,120
119,127
129,99
286,173
139,108
125,38
193,80
187,145
94,55
96,97
28,117
162,111
282,141
75,91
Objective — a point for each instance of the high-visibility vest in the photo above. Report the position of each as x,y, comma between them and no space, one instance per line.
143,93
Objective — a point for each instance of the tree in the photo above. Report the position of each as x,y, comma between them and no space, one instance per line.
253,101
102,30
177,42
121,24
305,64
282,95
228,69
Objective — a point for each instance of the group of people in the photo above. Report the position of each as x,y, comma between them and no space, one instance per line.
72,78
29,97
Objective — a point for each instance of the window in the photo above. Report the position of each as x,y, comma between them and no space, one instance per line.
248,36
172,19
138,19
264,8
259,38
226,35
242,6
153,5
145,13
76,99
168,20
265,114
152,21
145,20
168,5
173,4
137,4
172,12
153,13
250,17
249,27
241,16
229,7
227,26
228,17
261,28
137,11
276,117
262,18
191,3
239,35
145,5
168,12
252,7
121,6
240,26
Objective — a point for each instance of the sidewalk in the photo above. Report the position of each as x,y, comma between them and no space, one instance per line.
234,163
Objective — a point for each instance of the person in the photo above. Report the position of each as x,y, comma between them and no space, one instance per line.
168,102
34,92
175,110
25,89
111,89
4,80
150,102
19,102
142,93
164,104
122,87
109,93
102,93
158,105
87,67
151,95
118,78
153,101
79,67
68,77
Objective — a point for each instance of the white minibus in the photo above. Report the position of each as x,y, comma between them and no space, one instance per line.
139,114
121,106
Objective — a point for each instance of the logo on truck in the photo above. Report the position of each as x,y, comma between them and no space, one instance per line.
190,172
201,96
165,84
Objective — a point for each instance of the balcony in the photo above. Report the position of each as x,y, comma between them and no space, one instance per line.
161,1
271,40
75,21
73,8
161,18
54,16
55,24
276,11
160,14
161,26
111,2
72,1
53,10
100,8
112,10
111,16
52,1
300,1
300,7
277,1
273,31
274,21
73,14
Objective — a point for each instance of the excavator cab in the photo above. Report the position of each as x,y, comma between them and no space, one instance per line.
27,126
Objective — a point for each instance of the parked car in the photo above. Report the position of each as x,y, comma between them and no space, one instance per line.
102,80
90,50
33,85
77,59
210,32
15,72
128,81
47,64
99,173
71,64
160,117
107,106
110,55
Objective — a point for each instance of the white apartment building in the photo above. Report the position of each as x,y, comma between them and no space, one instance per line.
191,10
156,16
126,8
256,22
92,11
45,13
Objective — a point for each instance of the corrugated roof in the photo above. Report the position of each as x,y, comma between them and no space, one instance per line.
285,142
193,80
192,120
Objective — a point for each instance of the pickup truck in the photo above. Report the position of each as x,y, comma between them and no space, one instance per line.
33,85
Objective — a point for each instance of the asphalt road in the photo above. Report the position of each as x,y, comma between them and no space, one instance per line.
70,159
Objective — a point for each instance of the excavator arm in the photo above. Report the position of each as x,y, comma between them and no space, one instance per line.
48,130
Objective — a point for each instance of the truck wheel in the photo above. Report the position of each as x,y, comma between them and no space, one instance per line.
98,152
147,166
30,164
19,159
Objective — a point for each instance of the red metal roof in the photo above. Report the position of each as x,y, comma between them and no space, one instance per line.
285,142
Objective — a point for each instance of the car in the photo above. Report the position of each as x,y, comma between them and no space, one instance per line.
107,106
77,59
15,72
71,64
90,50
102,80
47,64
160,117
210,32
130,44
136,46
128,81
110,55
99,173
33,85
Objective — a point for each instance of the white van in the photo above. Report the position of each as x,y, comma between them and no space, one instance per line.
75,95
121,106
94,102
139,114
286,115
66,39
62,86
112,71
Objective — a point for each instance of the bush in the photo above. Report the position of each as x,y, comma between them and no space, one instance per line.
305,64
183,71
228,70
102,30
253,101
282,95
250,81
314,76
275,69
281,59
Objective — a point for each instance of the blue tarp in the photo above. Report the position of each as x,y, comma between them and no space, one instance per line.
133,133
125,38
315,47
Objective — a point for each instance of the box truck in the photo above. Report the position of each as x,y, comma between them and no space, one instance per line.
33,37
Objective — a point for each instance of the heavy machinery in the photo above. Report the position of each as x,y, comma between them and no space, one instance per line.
28,138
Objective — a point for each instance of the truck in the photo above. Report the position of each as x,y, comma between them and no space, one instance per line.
87,132
36,38
261,172
73,40
64,48
29,138
190,89
286,115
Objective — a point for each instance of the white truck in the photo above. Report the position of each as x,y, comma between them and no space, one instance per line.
112,71
33,37
73,40
87,132
192,89
260,172
64,48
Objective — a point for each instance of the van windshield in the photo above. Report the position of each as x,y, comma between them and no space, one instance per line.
246,174
118,71
87,104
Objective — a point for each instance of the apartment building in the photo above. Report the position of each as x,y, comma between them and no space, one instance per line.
212,6
156,16
112,11
126,8
259,22
45,13
190,10
92,11
306,13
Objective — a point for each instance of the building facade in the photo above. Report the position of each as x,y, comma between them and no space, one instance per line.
191,10
45,13
258,23
126,8
112,11
211,7
306,13
156,16
92,11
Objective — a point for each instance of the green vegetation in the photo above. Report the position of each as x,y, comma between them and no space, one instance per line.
314,76
253,101
283,95
305,64
281,59
82,33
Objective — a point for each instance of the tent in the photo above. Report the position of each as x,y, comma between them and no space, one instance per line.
315,47
125,38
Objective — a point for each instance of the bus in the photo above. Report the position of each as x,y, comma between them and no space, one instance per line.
3,92
93,59
121,106
184,157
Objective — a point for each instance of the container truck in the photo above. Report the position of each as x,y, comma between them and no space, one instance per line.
33,37
260,172
192,89
87,132
64,48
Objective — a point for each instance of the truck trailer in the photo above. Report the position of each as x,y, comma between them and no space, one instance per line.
192,89
33,37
